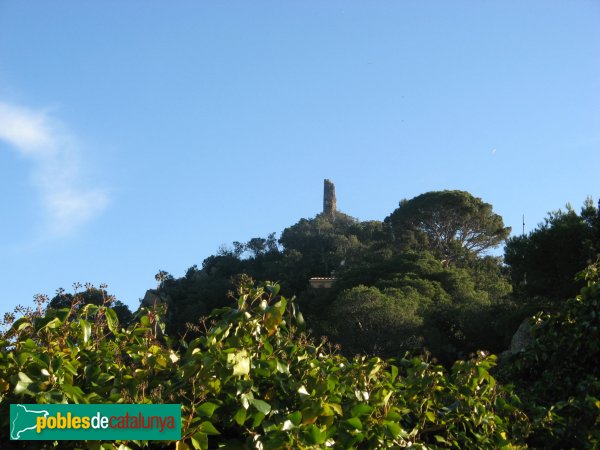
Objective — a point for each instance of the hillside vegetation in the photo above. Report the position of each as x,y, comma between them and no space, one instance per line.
398,353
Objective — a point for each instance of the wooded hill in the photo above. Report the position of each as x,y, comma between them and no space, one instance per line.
420,280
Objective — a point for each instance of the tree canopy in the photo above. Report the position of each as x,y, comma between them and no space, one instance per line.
544,262
455,302
453,225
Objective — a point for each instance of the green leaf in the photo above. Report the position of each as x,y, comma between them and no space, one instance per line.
241,302
394,370
361,409
482,373
240,416
74,392
272,319
22,385
430,416
86,330
315,435
281,304
180,445
206,409
208,428
261,405
282,368
69,367
268,347
245,399
354,423
295,417
54,323
112,320
273,289
240,362
21,324
337,408
393,429
199,441
89,310
28,344
300,322
24,377
441,439
393,415
257,419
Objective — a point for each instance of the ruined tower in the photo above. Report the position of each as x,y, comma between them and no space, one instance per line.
329,205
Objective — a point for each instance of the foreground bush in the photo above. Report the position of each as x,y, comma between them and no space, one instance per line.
252,380
558,375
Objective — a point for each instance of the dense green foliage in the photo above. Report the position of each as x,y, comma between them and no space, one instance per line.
459,302
414,301
324,245
558,375
413,294
253,380
311,247
544,262
453,225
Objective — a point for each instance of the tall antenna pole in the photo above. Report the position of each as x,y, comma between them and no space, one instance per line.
524,273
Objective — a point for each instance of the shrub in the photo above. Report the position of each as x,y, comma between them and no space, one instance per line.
252,379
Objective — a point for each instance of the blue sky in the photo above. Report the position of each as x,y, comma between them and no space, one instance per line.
138,136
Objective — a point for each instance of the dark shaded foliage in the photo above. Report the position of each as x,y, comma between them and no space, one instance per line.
544,262
558,375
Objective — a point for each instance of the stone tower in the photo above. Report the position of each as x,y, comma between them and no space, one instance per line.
329,206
